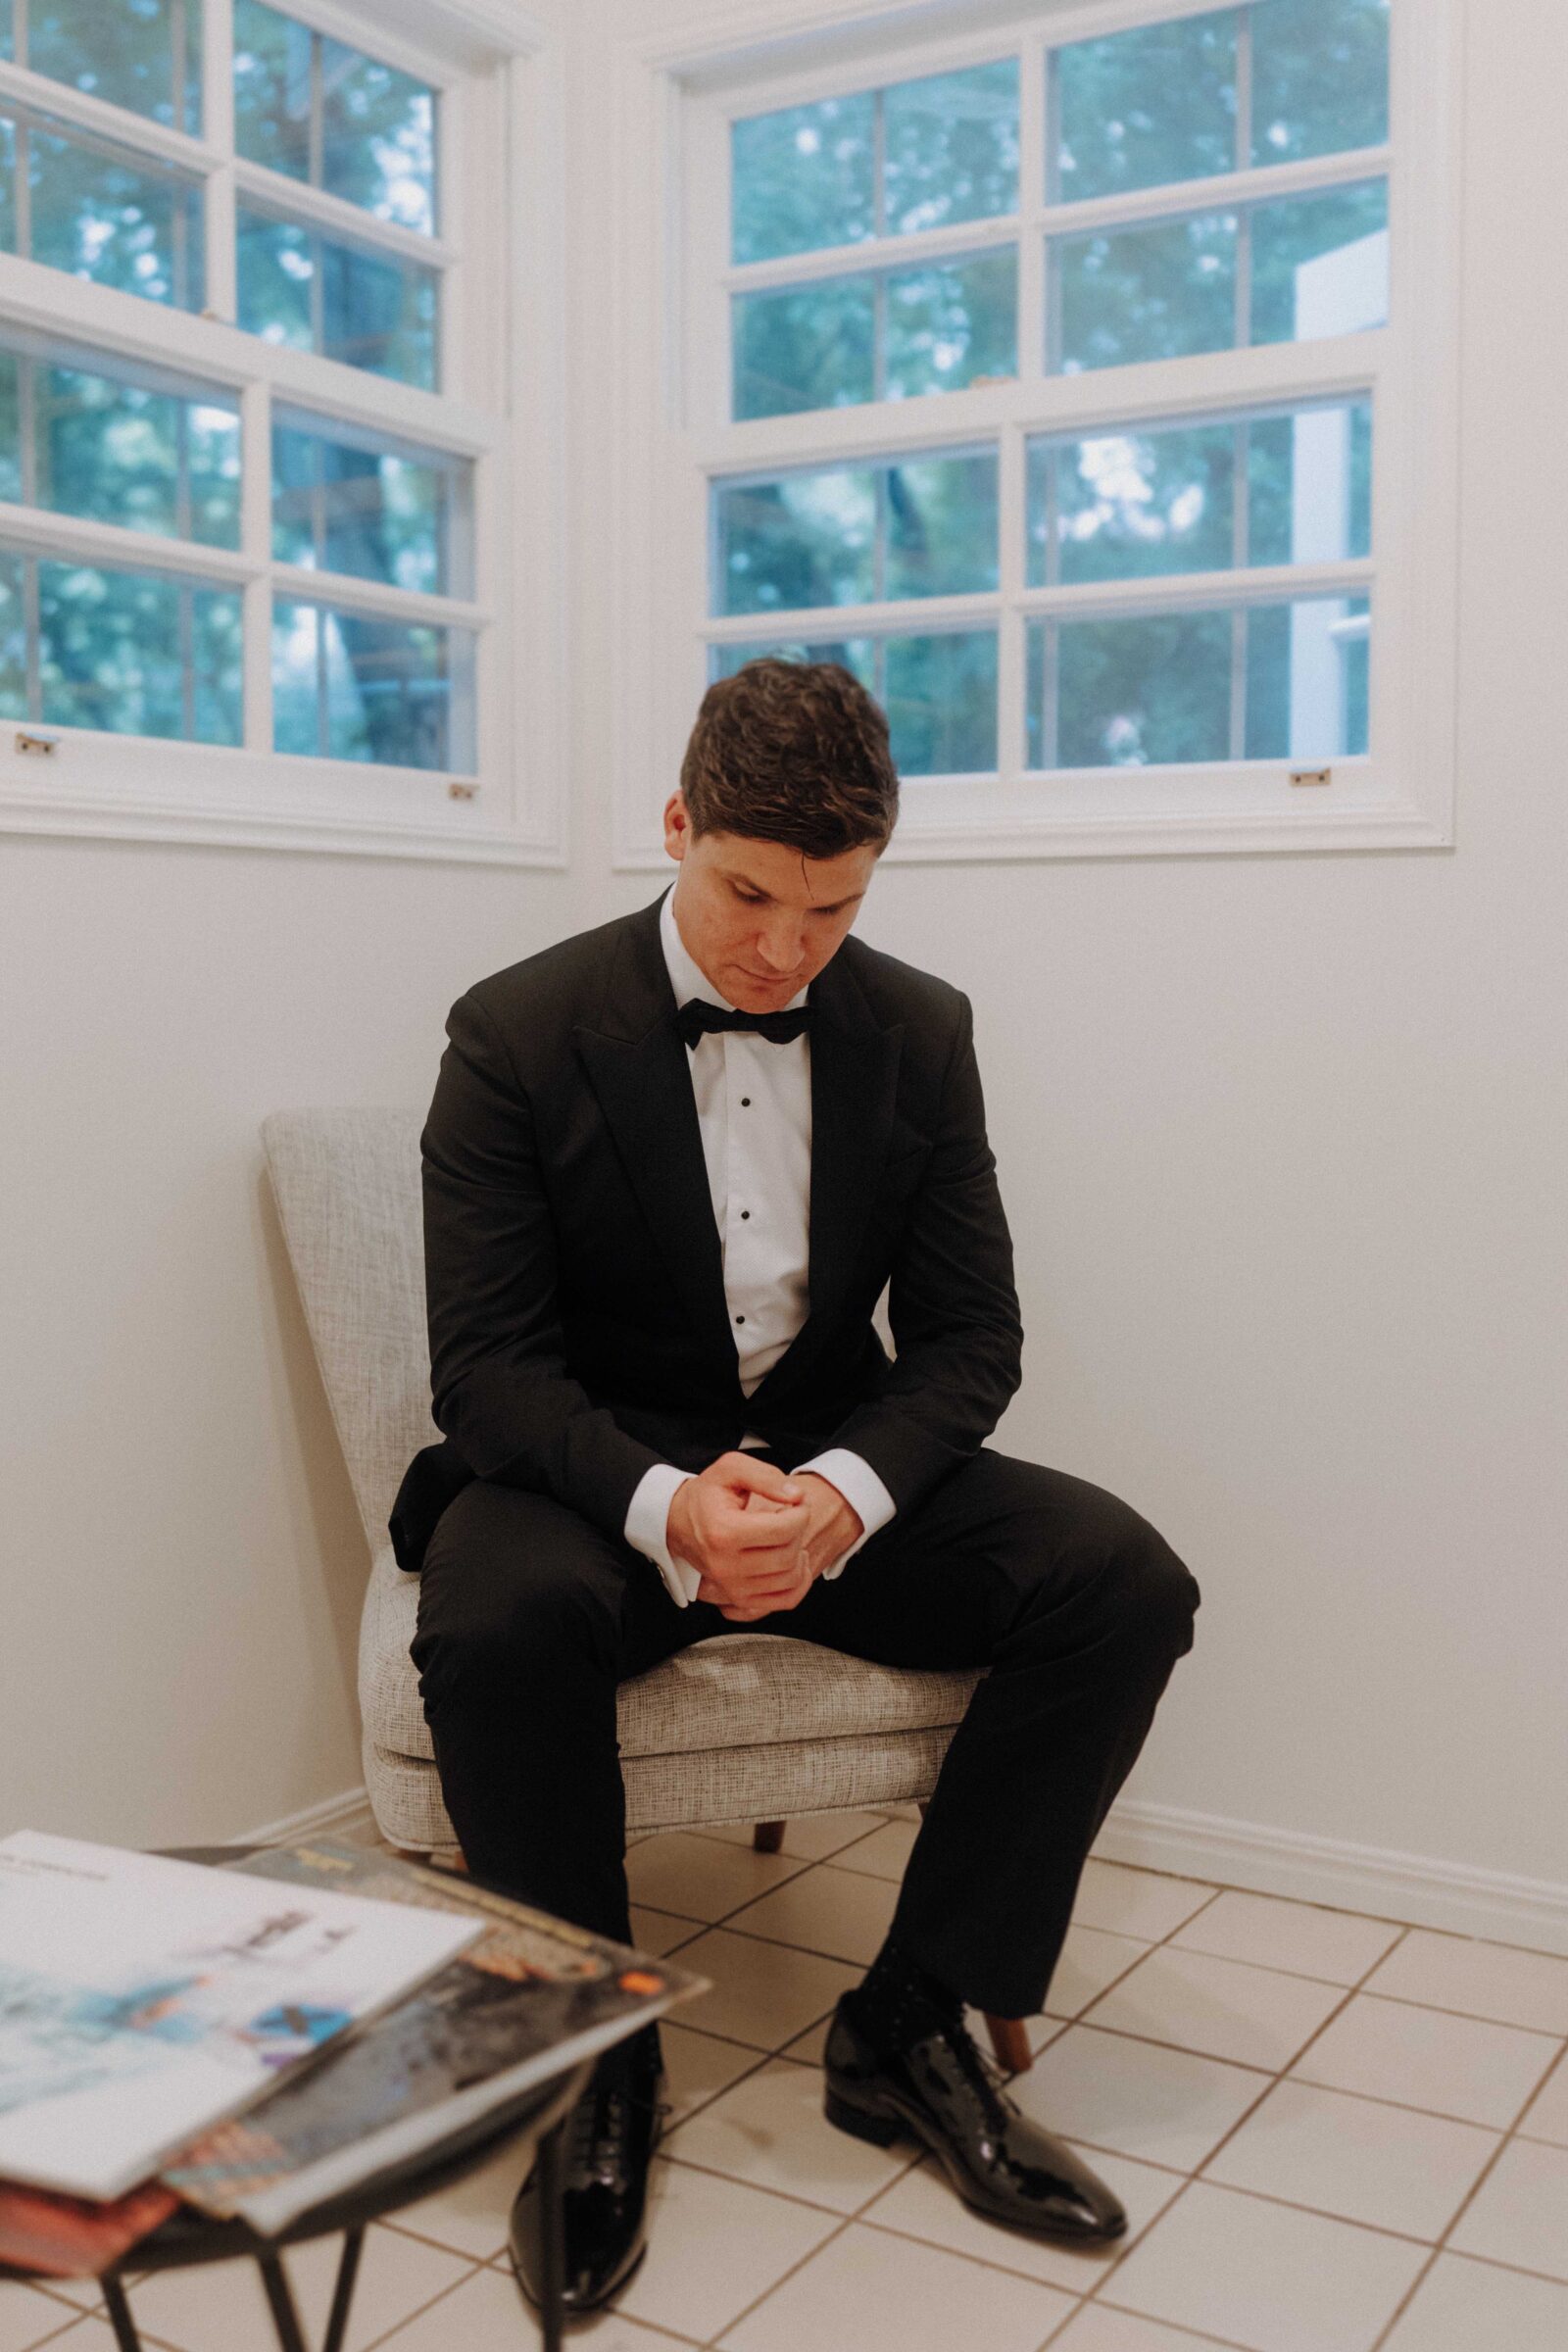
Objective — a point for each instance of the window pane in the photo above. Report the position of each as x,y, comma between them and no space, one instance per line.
1143,689
140,54
1320,76
347,686
804,177
272,89
939,692
951,147
377,137
374,126
804,347
378,314
804,539
1309,498
148,460
1138,504
941,524
1128,505
1320,264
843,535
1264,682
1156,292
377,513
13,636
370,311
139,653
1308,674
951,323
1140,109
118,222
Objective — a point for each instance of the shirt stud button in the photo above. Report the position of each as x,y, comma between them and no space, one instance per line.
746,1102
740,1318
745,1213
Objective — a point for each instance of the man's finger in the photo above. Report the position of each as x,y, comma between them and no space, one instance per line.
757,1477
763,1531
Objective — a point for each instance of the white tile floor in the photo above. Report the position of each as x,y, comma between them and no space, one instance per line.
1332,2134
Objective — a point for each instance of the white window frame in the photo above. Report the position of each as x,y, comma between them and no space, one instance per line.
499,78
675,97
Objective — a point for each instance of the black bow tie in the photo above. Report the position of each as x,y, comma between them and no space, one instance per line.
696,1019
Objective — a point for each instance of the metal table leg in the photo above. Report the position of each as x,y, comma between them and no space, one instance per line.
347,2272
120,2318
552,2247
285,2319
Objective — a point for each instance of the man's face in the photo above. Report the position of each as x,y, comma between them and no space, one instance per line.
761,919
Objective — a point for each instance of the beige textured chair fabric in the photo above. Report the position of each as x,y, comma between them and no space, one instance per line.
749,1727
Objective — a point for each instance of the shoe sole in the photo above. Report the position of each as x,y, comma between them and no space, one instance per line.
880,2131
571,2308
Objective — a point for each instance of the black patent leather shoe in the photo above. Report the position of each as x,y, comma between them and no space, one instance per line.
607,2141
941,2092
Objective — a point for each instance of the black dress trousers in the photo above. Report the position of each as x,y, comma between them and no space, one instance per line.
529,1618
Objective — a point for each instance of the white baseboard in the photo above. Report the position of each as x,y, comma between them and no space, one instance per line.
1412,1888
347,1816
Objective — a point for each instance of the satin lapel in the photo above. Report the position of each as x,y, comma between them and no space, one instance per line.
854,1073
637,1067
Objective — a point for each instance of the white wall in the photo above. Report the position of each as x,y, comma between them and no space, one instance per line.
1281,1138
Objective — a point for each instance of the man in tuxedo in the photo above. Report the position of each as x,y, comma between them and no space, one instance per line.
670,1166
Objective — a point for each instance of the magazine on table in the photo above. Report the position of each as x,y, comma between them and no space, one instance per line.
531,1997
142,1999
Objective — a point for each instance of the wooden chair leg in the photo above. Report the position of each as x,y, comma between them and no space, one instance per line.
1011,2041
768,1838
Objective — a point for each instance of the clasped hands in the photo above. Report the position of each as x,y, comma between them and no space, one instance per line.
757,1539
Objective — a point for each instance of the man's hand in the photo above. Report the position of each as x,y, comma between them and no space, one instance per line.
790,1531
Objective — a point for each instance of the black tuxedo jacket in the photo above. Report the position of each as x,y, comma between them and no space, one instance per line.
578,1329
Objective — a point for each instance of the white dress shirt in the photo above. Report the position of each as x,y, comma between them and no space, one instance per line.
753,1109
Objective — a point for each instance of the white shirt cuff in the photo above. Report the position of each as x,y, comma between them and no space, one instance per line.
647,1528
861,1489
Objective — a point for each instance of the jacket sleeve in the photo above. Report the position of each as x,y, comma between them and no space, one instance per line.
954,1310
501,1394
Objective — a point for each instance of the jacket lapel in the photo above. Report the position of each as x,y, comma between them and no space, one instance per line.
855,1071
637,1067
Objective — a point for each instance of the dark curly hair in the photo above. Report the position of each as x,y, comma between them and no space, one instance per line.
795,752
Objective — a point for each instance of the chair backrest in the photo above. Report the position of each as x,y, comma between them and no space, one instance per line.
347,1185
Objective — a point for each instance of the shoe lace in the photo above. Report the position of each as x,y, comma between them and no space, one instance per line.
985,2077
601,2129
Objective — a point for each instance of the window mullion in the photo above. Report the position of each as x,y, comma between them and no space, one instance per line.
23,188
256,542
217,127
1034,137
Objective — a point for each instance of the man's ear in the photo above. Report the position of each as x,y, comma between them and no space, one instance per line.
677,826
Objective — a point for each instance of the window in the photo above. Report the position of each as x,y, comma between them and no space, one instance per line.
1072,384
253,428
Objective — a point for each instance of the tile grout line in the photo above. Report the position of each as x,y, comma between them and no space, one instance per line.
1442,2245
1350,1991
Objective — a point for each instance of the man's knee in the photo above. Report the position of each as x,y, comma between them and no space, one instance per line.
510,1595
1121,1574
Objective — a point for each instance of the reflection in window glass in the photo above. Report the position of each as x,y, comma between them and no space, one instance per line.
949,145
315,294
118,451
802,178
1160,290
1140,503
1260,682
1140,108
1320,264
943,328
1320,78
919,155
140,54
138,653
377,513
307,105
13,635
353,686
103,214
939,691
839,535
